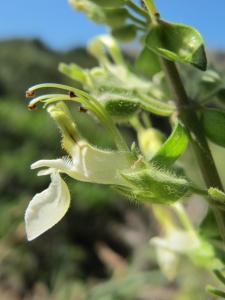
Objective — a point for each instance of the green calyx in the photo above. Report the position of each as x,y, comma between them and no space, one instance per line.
120,106
173,147
177,42
155,186
147,62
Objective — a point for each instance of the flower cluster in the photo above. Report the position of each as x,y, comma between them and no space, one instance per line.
125,170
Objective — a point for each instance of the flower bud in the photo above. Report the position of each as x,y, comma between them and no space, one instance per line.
147,62
177,42
150,140
216,194
115,17
120,106
125,33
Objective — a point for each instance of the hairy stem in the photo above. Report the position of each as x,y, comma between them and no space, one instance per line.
196,135
189,117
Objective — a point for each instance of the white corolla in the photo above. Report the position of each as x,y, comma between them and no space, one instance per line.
85,163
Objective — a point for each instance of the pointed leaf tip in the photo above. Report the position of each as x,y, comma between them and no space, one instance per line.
178,42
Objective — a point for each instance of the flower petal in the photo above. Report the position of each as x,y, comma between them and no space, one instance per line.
58,164
73,169
101,166
91,165
47,208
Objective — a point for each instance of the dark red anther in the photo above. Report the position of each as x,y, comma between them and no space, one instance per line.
32,106
82,109
157,16
72,94
30,94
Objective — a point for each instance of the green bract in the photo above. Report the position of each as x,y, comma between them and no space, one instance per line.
213,121
147,62
177,42
172,148
73,71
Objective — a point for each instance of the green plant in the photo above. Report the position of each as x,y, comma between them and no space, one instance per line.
117,93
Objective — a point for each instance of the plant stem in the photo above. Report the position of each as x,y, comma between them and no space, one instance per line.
154,15
185,220
214,291
138,9
219,276
189,118
137,20
196,135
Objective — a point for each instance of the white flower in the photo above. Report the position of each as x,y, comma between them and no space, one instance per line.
86,163
174,242
91,164
48,207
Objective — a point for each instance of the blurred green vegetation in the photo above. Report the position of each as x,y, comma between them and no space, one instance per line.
102,236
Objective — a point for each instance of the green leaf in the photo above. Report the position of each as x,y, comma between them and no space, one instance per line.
212,290
147,62
125,33
213,121
98,45
207,228
177,42
172,148
73,71
219,275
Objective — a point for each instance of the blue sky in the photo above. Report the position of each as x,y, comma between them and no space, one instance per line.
60,27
